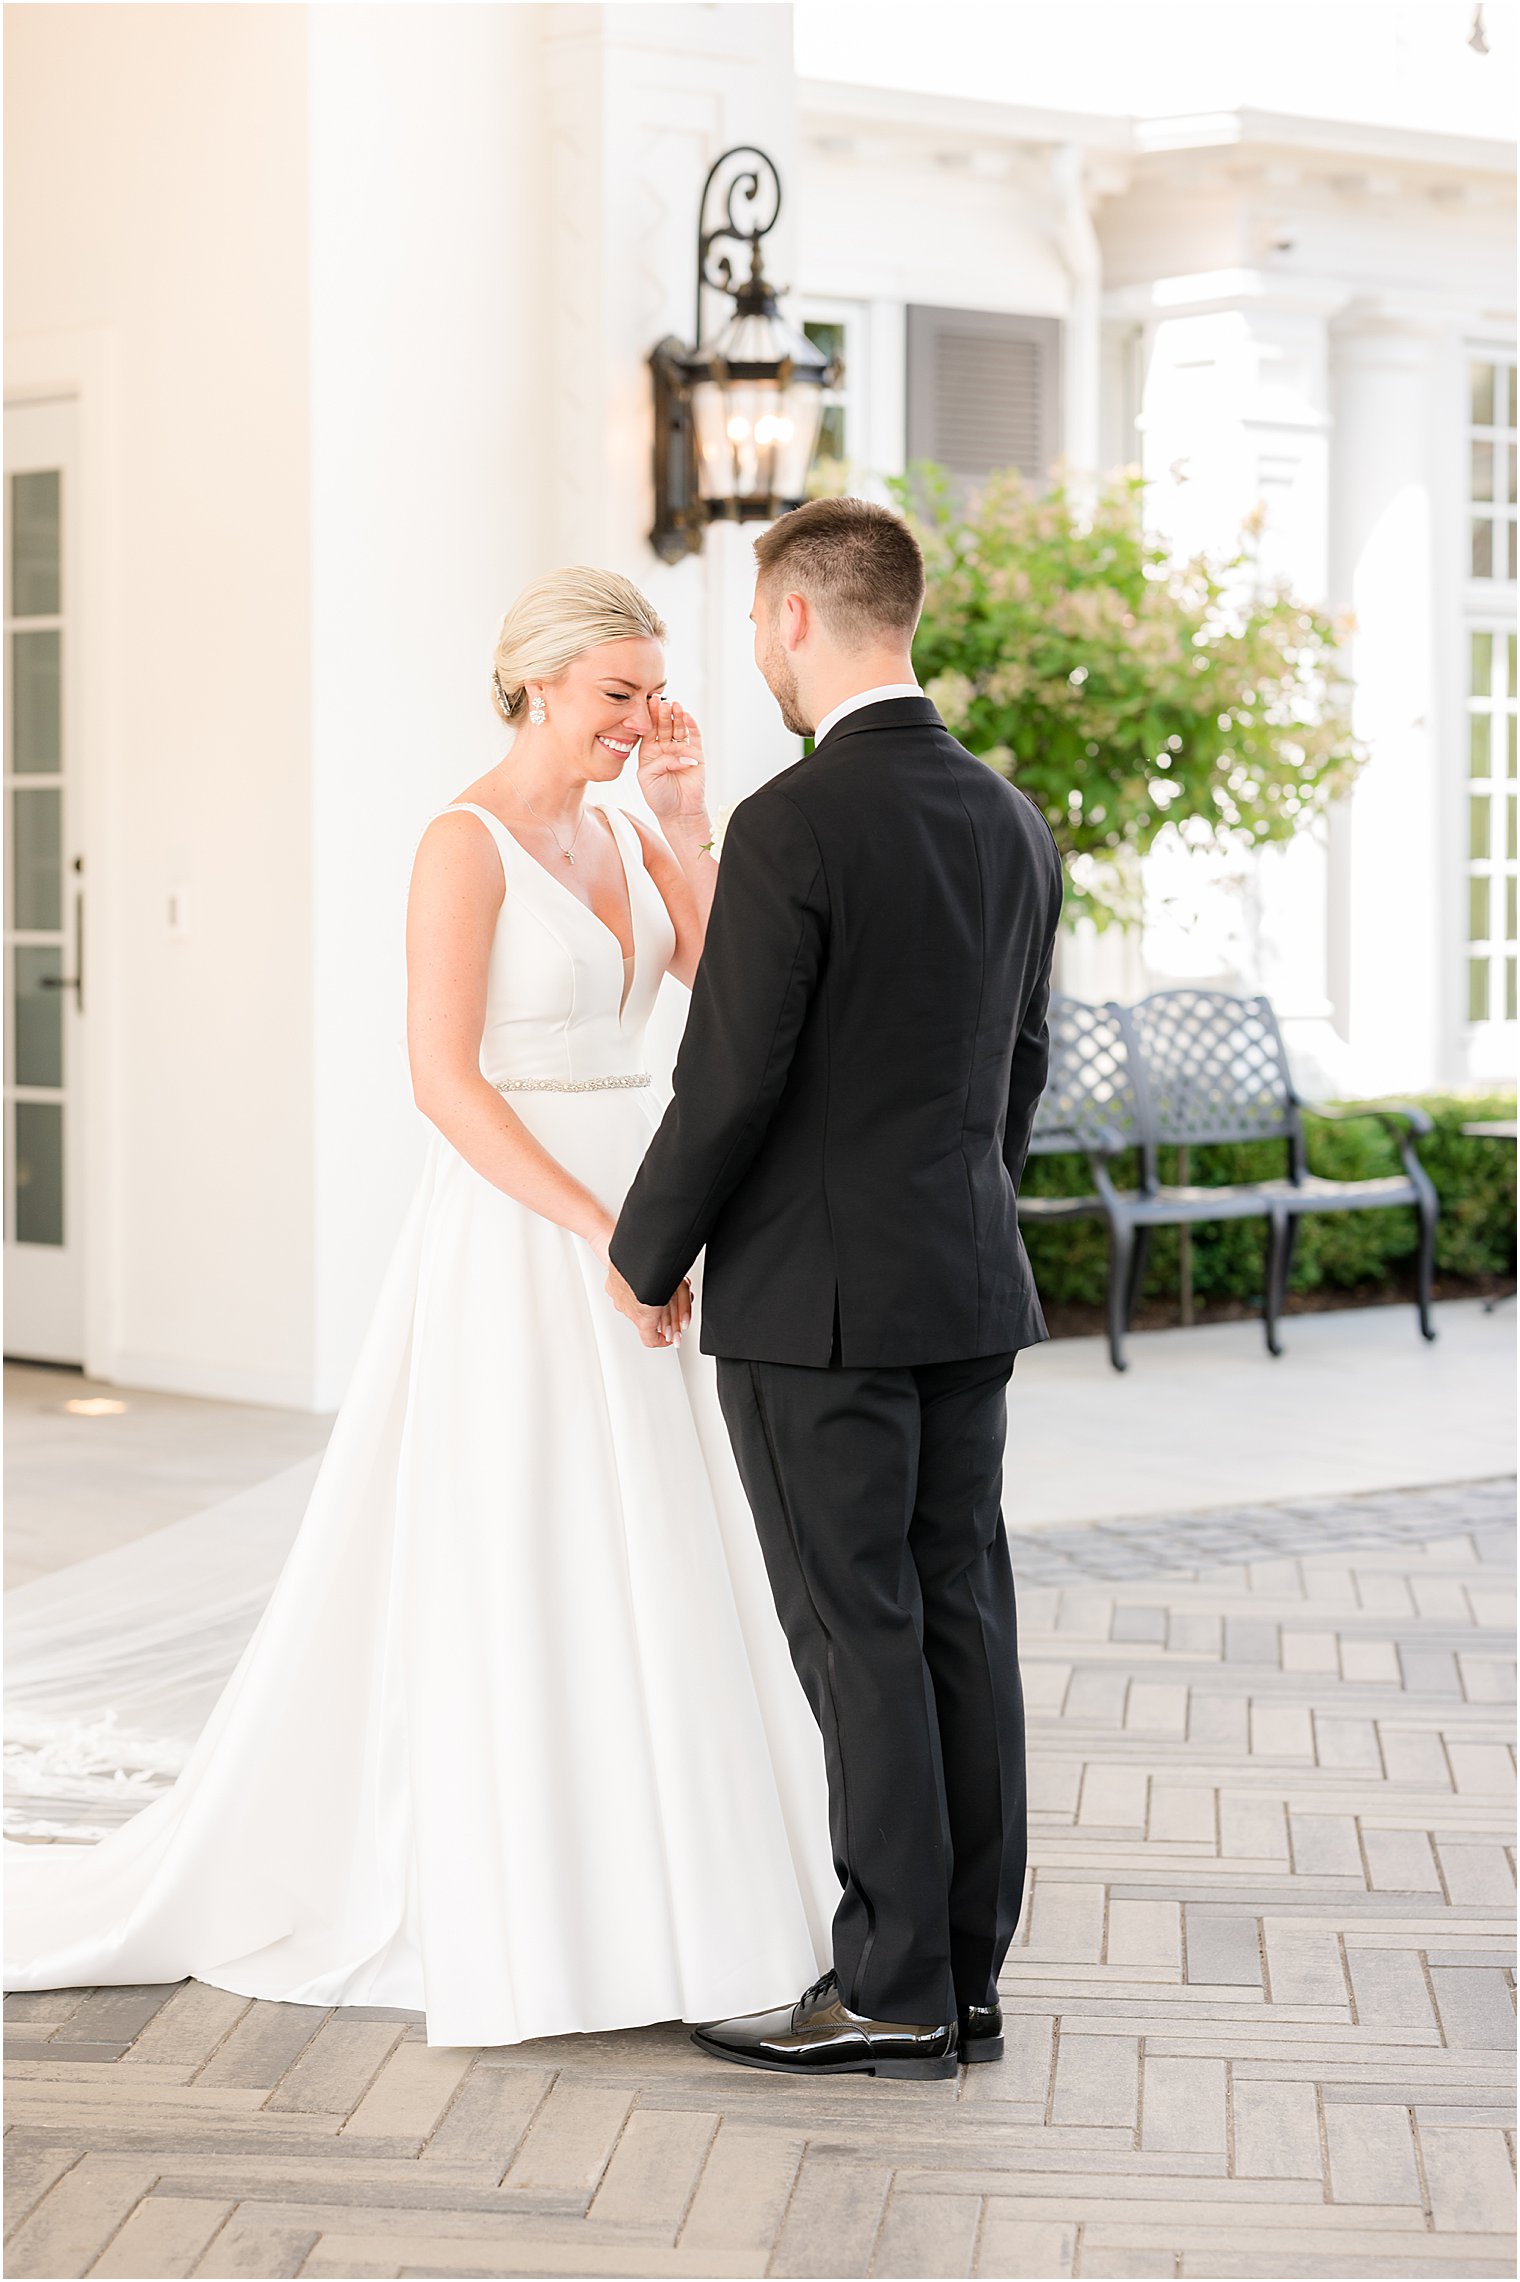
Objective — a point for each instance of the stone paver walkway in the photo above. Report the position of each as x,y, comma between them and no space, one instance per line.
1260,2008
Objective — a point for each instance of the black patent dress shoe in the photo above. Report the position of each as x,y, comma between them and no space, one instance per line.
981,2032
820,2036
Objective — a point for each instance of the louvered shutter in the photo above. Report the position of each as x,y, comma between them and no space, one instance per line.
984,390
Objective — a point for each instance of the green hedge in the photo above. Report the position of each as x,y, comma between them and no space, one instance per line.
1475,1181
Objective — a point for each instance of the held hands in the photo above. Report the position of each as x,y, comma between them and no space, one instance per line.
673,768
656,1326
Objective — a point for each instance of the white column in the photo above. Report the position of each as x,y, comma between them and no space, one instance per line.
1081,334
1386,964
503,224
1235,426
427,466
1286,462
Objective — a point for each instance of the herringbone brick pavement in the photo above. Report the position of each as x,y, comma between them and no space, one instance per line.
1260,2009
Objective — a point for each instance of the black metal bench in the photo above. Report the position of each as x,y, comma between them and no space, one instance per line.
1194,1067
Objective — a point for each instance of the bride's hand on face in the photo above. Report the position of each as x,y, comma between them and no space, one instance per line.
672,766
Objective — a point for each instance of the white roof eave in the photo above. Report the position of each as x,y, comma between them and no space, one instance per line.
1340,138
847,104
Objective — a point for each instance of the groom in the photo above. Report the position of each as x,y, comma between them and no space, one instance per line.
853,1102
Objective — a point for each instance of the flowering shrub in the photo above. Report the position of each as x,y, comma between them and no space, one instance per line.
1124,691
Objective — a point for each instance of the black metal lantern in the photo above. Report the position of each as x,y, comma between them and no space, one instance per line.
736,418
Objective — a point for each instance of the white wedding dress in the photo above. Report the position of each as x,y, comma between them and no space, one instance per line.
516,1741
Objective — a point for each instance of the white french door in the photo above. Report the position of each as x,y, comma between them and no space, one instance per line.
44,891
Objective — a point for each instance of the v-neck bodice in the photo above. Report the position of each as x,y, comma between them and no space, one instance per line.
555,1003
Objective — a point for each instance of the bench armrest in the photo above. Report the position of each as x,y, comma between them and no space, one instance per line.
1392,1114
1404,1120
1094,1141
1107,1141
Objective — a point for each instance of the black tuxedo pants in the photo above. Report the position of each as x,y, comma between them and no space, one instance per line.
877,1498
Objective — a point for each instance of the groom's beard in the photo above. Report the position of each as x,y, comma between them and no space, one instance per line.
781,681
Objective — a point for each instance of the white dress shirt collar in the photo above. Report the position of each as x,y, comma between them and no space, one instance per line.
865,697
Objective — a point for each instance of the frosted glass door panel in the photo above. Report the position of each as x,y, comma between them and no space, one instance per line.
39,1172
36,707
36,563
36,858
44,892
37,1006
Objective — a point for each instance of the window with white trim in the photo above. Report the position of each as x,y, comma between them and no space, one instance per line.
1490,787
1491,825
838,329
1491,464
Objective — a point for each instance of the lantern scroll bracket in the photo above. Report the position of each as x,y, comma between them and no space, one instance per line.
756,186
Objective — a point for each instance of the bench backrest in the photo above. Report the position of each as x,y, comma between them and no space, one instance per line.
1210,1067
1090,1093
1179,1066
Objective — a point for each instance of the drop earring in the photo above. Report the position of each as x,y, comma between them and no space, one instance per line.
536,713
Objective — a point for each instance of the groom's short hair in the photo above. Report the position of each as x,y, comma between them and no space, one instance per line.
858,564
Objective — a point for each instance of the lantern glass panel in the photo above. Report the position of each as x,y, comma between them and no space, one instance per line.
802,418
755,439
718,465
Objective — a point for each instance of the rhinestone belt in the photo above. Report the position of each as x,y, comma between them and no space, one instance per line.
571,1085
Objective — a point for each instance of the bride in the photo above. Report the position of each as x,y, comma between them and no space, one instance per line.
517,1741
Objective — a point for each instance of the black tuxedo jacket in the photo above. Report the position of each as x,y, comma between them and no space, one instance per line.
864,1052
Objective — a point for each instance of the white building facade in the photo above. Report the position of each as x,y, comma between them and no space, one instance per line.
326,329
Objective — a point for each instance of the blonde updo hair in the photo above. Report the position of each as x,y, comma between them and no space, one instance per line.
559,617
